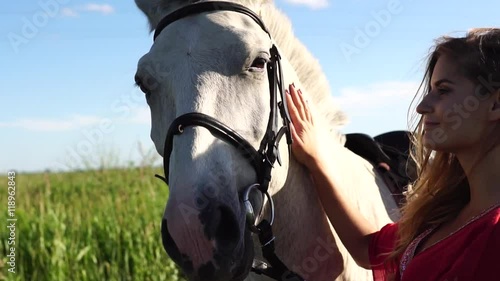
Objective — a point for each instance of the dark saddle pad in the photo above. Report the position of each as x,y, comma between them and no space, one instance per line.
389,153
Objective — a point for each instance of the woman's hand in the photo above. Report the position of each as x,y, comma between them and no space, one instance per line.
305,138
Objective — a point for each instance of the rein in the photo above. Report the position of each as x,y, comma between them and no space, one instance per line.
262,160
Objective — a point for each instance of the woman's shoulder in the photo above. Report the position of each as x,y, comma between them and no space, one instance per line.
488,261
382,242
487,224
496,214
488,229
495,223
386,235
492,218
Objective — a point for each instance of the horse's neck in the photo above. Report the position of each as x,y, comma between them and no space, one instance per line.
304,238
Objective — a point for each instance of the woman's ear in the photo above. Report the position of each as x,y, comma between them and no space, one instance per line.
495,108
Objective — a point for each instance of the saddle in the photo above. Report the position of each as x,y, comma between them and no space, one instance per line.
389,154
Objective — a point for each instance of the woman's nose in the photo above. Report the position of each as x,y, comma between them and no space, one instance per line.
425,106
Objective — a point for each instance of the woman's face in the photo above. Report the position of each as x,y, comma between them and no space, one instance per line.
455,115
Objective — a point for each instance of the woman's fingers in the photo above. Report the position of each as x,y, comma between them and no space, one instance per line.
305,107
302,127
295,136
299,113
298,102
292,109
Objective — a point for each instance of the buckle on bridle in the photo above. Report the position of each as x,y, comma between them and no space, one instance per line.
250,215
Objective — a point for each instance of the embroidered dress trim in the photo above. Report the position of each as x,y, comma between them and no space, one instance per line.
410,250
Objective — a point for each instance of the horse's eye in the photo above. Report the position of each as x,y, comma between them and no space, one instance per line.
142,86
258,63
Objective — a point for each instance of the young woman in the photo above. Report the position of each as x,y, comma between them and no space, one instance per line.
450,225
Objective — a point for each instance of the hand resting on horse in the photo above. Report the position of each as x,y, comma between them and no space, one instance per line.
353,229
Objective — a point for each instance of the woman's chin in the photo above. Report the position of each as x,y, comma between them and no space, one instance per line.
434,139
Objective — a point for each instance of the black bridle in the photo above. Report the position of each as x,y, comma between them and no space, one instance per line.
262,160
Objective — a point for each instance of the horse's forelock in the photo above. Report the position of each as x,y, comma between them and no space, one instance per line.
155,10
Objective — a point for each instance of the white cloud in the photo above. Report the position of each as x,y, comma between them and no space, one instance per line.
376,97
52,125
378,107
313,4
98,8
68,12
138,115
104,9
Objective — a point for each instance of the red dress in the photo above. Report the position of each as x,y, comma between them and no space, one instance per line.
471,253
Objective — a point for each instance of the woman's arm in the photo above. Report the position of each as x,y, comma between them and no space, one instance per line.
353,229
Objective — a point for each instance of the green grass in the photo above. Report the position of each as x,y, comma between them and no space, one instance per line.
92,225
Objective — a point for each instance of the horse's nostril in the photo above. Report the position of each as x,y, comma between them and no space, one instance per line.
227,230
220,223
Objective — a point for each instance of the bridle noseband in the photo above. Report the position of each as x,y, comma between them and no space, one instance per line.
262,160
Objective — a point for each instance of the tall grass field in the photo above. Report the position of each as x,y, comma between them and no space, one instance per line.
91,225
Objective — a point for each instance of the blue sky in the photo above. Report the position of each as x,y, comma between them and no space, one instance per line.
67,70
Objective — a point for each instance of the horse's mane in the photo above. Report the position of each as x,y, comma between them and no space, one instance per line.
307,67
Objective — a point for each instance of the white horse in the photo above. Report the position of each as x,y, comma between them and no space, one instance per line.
215,63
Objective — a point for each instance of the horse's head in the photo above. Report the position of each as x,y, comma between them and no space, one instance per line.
213,62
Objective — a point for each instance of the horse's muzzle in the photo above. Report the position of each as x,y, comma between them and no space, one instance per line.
231,256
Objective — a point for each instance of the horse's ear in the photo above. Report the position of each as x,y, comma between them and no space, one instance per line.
155,10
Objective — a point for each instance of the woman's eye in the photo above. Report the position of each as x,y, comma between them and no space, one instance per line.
142,86
258,63
443,91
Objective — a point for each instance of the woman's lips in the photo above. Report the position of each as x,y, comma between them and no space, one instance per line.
430,125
